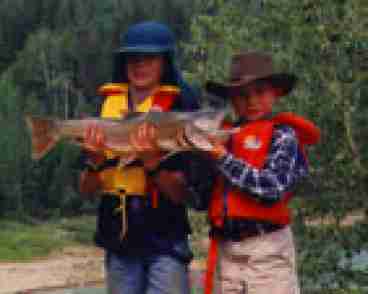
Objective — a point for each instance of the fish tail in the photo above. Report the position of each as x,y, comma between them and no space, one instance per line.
44,135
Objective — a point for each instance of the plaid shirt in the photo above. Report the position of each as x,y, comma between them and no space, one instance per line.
284,166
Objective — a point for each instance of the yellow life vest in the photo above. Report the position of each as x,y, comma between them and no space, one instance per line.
130,179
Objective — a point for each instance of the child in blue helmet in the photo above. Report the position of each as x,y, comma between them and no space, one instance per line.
152,254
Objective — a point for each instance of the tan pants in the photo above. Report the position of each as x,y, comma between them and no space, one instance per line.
263,264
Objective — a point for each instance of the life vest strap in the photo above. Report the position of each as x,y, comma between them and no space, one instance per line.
123,209
212,260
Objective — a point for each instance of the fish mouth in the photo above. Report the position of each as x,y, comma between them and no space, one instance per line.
209,120
196,139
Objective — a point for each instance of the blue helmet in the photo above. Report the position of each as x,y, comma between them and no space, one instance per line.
147,37
152,38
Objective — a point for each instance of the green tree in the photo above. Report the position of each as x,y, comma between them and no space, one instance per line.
14,146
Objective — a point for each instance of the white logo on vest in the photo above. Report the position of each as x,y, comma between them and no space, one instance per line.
252,142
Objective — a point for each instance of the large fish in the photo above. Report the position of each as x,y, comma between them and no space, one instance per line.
177,131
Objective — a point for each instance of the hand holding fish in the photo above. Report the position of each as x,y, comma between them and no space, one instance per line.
215,147
94,138
144,140
219,150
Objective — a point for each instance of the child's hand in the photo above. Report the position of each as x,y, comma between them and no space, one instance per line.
144,141
214,146
144,138
218,151
94,138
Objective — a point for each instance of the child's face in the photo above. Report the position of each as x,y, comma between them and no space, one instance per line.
144,71
256,103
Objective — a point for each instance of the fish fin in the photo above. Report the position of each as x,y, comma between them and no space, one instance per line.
44,135
223,133
167,144
198,139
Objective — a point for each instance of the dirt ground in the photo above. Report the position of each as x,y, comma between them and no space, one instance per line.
82,267
72,267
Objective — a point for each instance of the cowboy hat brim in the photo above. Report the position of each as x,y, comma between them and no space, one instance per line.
283,81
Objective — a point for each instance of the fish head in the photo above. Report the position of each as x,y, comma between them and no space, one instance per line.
208,120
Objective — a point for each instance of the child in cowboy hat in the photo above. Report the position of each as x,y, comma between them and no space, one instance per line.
252,248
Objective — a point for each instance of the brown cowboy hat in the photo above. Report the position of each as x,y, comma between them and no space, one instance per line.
249,68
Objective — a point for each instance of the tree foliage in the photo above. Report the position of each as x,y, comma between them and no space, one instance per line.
54,54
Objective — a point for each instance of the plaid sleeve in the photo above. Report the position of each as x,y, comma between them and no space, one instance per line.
284,166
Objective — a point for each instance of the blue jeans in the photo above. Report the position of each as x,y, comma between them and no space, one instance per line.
151,274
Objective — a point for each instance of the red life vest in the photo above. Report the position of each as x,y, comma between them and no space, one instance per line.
252,144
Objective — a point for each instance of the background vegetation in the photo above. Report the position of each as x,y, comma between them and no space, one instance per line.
54,54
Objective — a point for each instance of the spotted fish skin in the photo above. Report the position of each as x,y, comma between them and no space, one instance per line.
176,131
